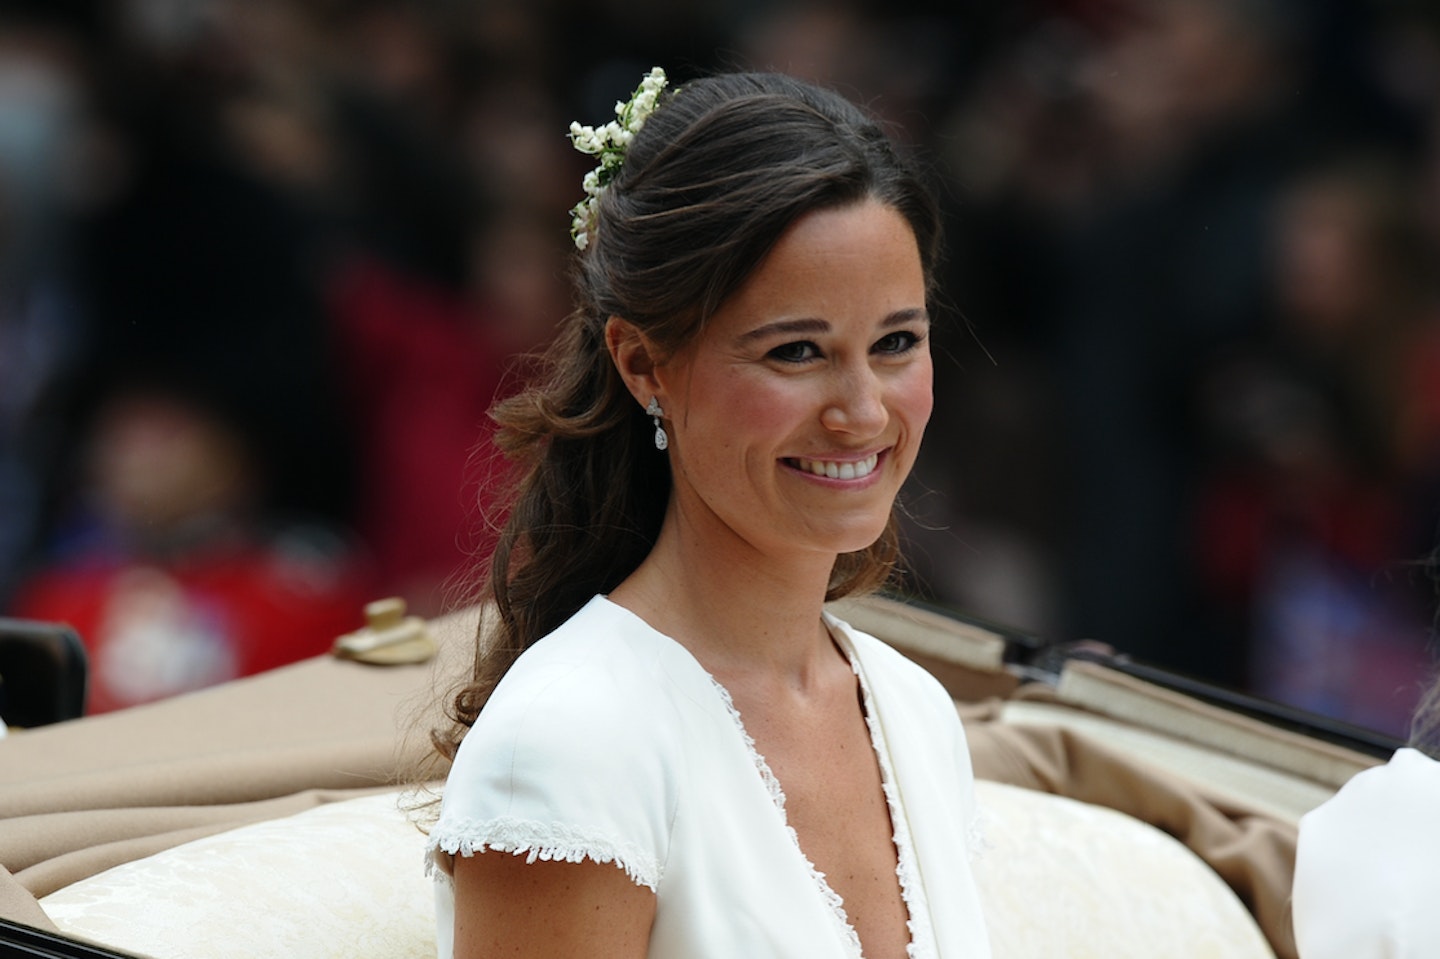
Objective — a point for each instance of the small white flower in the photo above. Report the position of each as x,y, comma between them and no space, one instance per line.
609,143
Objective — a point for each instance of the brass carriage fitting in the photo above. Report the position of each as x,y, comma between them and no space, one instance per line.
389,638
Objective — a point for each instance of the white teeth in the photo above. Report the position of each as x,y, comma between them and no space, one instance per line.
842,471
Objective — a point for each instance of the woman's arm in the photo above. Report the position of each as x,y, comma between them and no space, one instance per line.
507,907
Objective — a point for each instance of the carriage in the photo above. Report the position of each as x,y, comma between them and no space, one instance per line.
1127,811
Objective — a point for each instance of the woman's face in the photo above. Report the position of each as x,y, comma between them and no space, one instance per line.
796,415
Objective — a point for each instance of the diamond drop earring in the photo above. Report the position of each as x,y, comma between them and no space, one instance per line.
655,412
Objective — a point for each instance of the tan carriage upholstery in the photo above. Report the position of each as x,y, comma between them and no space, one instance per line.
1230,787
79,798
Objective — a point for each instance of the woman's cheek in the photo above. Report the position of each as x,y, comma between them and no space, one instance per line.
919,394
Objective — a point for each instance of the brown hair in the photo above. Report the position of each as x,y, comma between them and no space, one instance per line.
718,173
1425,729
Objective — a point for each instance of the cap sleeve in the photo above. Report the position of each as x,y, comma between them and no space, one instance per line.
569,761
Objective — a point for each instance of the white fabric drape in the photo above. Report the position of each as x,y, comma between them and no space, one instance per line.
1367,867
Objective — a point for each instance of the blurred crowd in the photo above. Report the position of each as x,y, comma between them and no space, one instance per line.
264,264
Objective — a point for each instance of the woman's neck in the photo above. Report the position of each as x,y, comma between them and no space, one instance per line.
741,613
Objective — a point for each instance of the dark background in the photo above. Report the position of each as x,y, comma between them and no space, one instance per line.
1188,377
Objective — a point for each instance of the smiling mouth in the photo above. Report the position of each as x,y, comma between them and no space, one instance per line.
836,470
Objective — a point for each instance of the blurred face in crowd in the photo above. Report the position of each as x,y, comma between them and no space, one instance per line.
158,462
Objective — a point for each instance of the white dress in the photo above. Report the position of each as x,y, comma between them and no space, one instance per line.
608,741
1367,866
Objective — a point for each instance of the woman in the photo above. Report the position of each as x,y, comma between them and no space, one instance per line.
714,453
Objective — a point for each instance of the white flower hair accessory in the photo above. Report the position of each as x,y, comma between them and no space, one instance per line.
609,143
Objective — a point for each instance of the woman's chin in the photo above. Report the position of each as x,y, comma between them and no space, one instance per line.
855,539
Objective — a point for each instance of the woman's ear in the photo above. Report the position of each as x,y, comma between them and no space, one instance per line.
634,357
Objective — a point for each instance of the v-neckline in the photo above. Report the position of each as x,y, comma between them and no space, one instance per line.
911,891
922,943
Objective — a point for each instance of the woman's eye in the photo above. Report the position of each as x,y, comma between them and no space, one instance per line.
901,341
797,352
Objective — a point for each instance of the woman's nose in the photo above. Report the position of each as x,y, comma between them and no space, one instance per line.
857,405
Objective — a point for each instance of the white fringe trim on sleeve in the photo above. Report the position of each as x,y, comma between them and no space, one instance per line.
545,842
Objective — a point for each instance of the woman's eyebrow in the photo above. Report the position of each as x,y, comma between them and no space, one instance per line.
786,328
815,325
912,315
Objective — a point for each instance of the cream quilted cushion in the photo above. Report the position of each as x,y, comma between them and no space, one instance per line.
342,880
1060,878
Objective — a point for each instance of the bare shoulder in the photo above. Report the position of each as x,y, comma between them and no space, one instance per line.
507,907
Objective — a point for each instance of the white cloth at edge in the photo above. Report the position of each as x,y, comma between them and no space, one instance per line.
1367,867
607,740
